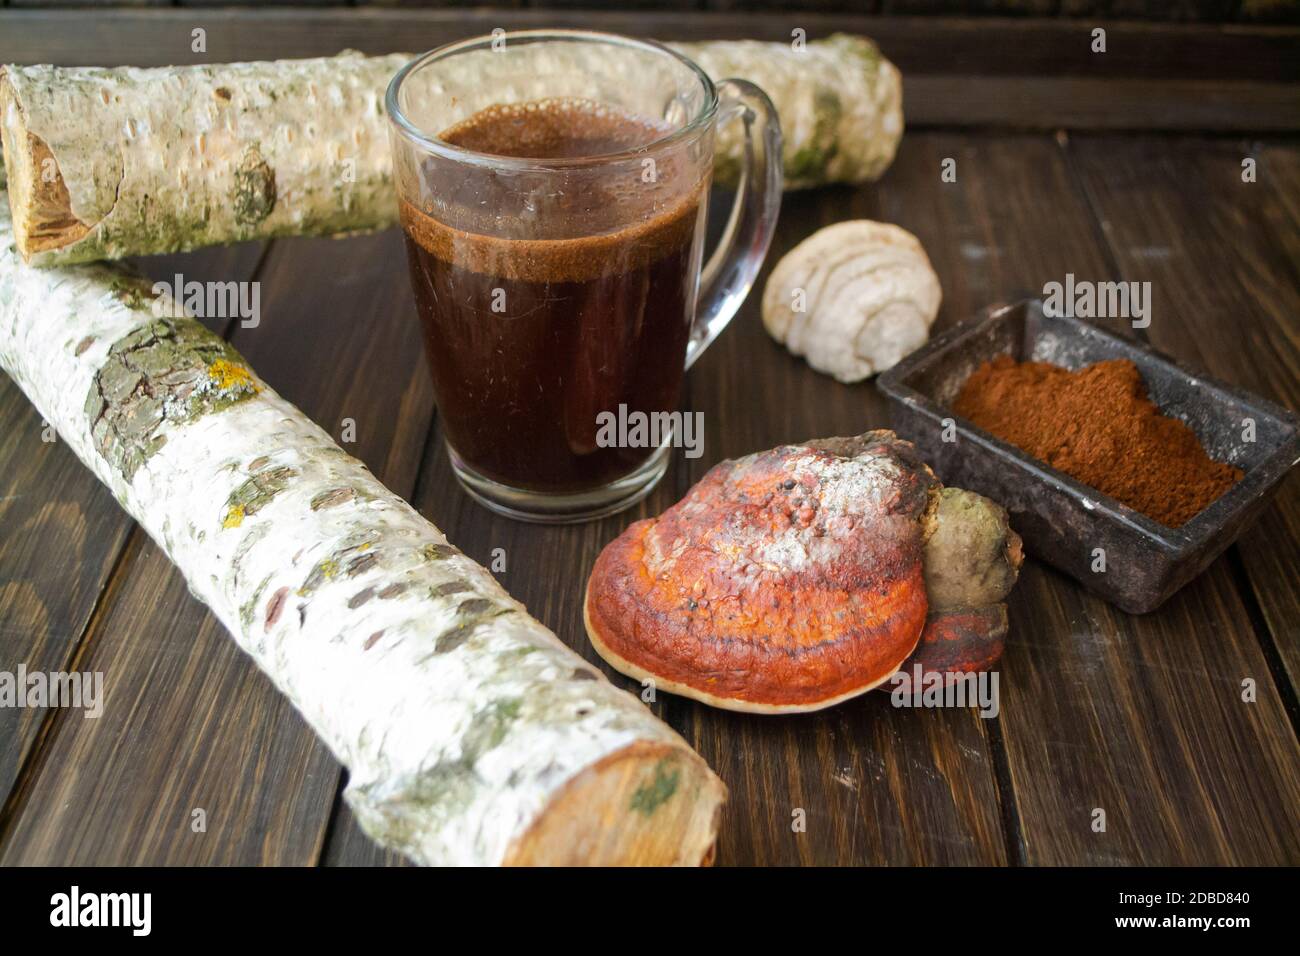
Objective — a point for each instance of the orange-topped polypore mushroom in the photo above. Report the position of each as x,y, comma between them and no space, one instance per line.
796,578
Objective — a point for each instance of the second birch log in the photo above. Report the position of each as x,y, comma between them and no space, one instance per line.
107,163
471,734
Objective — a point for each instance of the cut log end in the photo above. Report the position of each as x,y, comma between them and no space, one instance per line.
38,195
649,804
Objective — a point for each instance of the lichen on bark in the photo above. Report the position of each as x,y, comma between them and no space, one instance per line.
810,162
169,371
255,493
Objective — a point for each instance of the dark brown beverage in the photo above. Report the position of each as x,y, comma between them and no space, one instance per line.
530,339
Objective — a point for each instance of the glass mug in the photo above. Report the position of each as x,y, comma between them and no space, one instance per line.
553,186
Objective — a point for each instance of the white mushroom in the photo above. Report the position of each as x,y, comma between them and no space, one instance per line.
853,298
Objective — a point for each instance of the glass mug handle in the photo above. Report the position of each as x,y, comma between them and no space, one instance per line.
730,272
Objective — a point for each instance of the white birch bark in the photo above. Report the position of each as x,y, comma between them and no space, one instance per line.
472,735
106,163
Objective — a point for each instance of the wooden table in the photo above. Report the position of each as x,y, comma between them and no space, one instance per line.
1141,717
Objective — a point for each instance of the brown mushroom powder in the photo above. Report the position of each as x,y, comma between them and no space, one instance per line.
1098,426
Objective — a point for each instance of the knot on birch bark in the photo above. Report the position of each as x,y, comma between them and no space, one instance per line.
254,188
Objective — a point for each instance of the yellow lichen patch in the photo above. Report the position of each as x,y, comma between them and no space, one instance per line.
227,375
234,517
322,572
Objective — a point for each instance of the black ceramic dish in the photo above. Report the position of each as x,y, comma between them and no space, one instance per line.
1062,521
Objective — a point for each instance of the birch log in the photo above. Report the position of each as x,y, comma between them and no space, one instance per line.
472,735
106,163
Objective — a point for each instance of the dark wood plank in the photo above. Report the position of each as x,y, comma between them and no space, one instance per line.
1028,8
188,726
496,4
603,5
1269,11
1138,716
1213,10
1197,10
1223,257
189,722
1270,553
1030,47
1037,48
1142,105
794,9
97,4
1031,72
62,532
212,4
